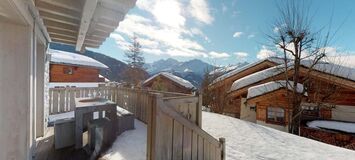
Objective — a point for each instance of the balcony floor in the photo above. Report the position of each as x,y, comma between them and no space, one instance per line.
45,149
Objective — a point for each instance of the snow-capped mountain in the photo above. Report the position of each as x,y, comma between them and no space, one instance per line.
171,65
192,70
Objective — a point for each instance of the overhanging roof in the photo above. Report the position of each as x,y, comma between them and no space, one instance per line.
83,23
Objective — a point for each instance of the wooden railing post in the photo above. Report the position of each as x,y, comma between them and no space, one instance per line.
151,124
222,141
199,111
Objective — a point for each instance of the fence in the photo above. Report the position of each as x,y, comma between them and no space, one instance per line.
135,100
174,136
173,120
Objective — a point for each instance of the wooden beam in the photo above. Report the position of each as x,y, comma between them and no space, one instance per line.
54,24
63,41
70,4
59,18
92,45
87,14
49,7
59,36
62,31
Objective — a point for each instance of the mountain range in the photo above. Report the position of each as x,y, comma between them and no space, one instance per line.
192,70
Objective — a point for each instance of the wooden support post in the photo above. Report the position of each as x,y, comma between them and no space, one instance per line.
199,111
223,143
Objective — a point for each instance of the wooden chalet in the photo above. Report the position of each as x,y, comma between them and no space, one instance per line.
330,84
168,82
220,87
74,68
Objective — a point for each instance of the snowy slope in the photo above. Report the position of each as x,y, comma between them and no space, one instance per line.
130,145
249,141
244,141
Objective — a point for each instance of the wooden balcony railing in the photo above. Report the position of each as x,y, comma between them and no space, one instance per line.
173,120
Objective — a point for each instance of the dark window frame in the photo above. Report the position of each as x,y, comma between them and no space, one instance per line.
276,121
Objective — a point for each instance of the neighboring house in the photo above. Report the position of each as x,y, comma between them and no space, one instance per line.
168,82
265,102
71,69
222,103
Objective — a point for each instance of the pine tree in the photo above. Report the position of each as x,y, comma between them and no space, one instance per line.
135,72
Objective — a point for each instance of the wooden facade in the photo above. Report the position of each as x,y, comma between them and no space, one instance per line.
162,83
325,91
71,73
223,102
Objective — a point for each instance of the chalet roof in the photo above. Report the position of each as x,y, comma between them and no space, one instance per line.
268,87
69,58
83,23
238,70
172,77
225,69
325,67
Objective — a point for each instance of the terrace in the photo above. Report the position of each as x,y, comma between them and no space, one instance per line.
173,117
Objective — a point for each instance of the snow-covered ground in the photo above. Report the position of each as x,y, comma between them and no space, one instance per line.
244,141
249,141
130,145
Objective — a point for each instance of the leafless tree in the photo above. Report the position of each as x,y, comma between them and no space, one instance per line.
208,78
298,43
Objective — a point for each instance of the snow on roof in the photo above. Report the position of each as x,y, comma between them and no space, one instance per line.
325,67
238,70
63,57
224,69
256,77
333,125
172,77
246,140
271,86
106,80
333,68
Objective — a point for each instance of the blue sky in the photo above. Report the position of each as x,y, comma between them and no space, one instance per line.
220,32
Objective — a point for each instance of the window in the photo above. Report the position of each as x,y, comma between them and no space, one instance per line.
276,115
68,70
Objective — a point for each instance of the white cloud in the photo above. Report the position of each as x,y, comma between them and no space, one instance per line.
218,55
117,37
168,12
200,10
251,36
237,34
265,53
166,32
196,31
241,54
